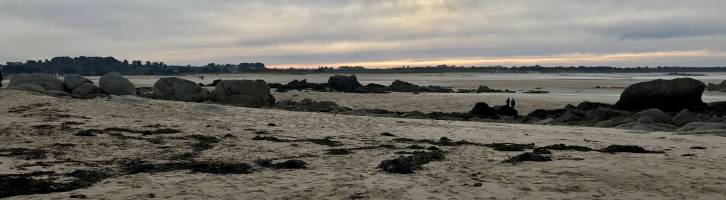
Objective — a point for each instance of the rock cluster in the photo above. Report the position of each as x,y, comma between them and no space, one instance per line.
74,85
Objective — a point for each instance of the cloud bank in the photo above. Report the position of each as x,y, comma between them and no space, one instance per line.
293,33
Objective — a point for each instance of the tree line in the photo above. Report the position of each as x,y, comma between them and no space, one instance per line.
91,66
94,66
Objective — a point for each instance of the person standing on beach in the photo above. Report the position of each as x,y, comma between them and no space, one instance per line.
513,103
1,78
507,101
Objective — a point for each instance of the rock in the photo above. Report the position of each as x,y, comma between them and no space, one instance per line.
717,87
177,89
483,109
437,89
373,88
649,127
684,117
586,105
570,116
536,92
115,84
603,113
668,95
56,93
401,86
246,93
717,108
86,90
244,100
506,111
29,81
613,122
656,115
542,114
214,83
486,89
344,83
29,87
73,81
702,126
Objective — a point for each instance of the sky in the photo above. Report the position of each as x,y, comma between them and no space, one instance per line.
371,33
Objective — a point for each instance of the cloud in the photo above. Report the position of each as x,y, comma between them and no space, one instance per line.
314,32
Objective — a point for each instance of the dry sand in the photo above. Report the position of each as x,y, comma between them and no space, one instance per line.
572,175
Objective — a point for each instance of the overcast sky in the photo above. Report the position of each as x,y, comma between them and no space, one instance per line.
372,33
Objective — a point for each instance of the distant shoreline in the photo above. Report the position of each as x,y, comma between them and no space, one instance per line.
94,66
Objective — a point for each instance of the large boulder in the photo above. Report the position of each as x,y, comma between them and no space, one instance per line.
483,109
87,91
401,86
35,82
177,89
657,115
115,84
506,111
668,95
344,83
73,81
246,93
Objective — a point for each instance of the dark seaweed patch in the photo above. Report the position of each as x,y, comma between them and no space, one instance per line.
567,147
323,141
510,146
627,149
288,164
48,182
270,138
24,153
145,132
541,151
387,134
135,167
528,156
408,164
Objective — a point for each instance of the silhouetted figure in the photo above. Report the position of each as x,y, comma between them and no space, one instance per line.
513,102
1,78
508,101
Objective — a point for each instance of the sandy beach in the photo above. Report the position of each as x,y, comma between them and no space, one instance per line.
467,172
